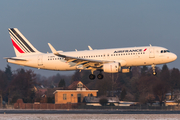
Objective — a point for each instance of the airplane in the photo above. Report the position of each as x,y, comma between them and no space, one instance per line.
108,60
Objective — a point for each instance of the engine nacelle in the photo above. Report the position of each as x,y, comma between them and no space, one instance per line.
112,67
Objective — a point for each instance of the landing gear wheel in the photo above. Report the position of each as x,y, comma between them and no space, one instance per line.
154,73
91,76
100,76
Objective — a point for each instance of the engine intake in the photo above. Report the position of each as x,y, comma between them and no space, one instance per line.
112,67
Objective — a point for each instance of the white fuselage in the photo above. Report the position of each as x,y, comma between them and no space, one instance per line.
133,56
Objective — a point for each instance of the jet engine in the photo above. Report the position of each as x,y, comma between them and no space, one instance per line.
112,67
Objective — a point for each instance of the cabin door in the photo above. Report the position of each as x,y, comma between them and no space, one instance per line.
40,60
151,53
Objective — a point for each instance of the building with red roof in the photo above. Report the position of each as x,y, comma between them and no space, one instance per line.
74,93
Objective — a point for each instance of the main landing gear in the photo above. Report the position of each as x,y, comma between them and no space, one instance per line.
92,76
100,76
154,69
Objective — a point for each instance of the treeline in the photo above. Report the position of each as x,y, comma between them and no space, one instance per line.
138,85
21,83
17,84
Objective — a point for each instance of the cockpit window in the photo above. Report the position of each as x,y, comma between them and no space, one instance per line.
164,51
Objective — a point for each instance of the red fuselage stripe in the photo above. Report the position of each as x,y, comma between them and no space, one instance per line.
17,47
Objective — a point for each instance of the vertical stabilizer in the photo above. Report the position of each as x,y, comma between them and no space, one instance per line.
21,45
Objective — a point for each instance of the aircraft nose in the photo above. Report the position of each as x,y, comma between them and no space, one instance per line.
174,57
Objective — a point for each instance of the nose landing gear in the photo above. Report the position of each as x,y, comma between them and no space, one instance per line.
154,69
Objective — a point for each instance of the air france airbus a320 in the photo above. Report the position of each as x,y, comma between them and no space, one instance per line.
108,60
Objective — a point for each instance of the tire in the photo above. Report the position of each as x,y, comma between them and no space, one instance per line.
91,77
155,73
100,76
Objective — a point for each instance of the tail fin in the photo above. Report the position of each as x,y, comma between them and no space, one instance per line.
21,45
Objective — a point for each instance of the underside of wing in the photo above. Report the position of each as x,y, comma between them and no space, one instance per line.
86,63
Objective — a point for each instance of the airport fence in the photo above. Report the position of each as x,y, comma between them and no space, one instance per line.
45,106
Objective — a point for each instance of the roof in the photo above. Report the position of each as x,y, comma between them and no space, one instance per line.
42,90
73,86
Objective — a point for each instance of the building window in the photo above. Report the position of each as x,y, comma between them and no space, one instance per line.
64,96
79,85
71,94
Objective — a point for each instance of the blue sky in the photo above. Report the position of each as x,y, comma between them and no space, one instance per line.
75,24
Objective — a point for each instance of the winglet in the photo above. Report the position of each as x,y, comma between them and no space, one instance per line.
53,49
90,48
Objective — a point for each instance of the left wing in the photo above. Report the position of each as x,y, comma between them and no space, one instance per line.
87,63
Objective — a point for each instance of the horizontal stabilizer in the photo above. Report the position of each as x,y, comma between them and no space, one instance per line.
19,59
